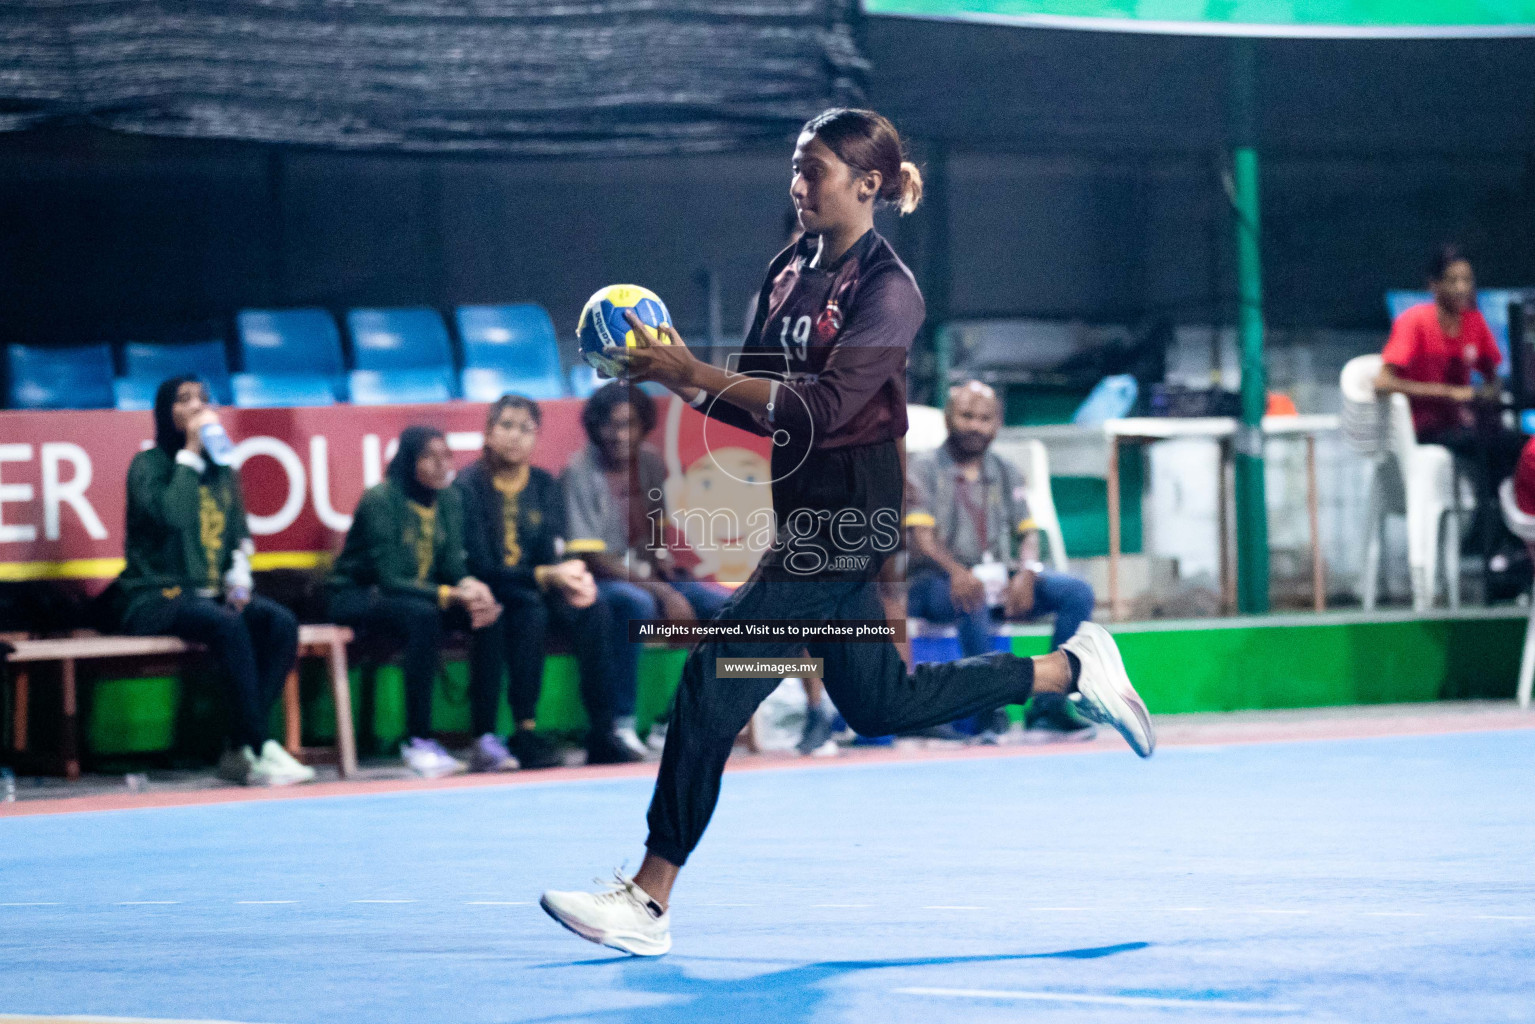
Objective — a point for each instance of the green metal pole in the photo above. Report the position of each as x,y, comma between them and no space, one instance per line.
1252,508
943,360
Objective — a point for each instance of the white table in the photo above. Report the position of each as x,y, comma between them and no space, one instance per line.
1223,431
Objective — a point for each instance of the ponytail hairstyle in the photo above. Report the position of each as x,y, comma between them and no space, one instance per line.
867,141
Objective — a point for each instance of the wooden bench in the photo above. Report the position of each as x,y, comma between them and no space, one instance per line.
320,641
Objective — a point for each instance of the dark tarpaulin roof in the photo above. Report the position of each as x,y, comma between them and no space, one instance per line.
529,77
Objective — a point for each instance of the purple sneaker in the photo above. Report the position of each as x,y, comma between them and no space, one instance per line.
489,754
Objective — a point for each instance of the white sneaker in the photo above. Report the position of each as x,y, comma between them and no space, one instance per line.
623,918
655,740
1104,693
237,765
427,759
623,731
280,767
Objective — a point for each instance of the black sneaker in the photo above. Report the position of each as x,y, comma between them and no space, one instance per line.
1050,720
817,731
995,728
534,751
608,749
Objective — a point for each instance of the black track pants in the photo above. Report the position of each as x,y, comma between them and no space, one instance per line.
868,682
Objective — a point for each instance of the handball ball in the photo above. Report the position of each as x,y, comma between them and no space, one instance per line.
603,332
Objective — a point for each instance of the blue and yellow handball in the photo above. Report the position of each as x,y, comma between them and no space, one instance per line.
604,334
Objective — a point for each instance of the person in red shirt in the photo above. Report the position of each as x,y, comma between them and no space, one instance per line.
1429,357
1524,479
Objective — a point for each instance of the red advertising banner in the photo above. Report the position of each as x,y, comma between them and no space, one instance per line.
62,477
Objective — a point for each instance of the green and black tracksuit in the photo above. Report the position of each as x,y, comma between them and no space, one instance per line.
512,521
187,546
401,558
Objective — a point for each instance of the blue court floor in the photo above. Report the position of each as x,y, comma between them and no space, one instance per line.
1383,880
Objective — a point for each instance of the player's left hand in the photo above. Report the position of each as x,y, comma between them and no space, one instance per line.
668,363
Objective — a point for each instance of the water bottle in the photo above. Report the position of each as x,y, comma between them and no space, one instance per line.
1111,399
993,577
7,786
216,443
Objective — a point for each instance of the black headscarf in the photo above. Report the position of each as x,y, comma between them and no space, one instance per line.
168,437
402,468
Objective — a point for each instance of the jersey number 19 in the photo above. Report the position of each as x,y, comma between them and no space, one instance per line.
796,346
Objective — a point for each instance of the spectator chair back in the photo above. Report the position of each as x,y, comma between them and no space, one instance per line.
291,357
72,377
926,429
401,356
146,364
1036,469
1405,478
1364,417
509,348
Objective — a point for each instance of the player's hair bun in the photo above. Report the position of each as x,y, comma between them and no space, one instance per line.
867,141
911,187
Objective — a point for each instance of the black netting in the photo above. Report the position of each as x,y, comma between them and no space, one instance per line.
529,77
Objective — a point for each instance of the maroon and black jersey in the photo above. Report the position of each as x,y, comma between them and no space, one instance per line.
835,339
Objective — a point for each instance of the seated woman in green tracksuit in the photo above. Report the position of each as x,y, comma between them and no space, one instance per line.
188,574
401,575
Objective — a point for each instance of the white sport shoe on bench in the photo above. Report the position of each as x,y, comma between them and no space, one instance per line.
623,918
1104,693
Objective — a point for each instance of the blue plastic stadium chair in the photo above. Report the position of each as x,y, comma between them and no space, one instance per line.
146,365
289,341
584,380
406,338
517,340
275,390
488,383
399,387
1399,300
59,378
134,394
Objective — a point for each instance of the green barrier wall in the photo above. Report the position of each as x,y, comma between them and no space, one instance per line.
1222,665
1284,665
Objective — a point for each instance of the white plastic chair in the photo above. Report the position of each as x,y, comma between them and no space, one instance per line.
925,429
1521,525
1042,501
1406,478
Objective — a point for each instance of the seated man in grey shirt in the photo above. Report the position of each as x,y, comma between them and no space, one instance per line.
966,508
